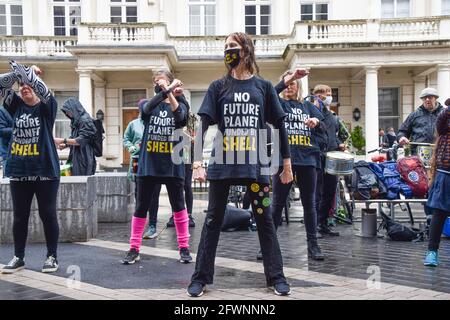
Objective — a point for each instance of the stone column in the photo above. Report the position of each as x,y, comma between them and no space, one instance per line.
85,91
371,109
443,81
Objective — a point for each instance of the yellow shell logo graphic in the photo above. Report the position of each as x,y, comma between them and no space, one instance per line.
255,187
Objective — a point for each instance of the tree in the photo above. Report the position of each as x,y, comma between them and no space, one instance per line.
358,140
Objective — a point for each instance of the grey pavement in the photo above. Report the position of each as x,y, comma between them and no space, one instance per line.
355,268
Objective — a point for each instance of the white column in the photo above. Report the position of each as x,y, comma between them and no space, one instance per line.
371,108
85,91
443,80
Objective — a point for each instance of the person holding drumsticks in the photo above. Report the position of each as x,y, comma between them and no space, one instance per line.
420,127
326,183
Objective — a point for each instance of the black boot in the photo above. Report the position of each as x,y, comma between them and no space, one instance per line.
314,251
191,221
325,230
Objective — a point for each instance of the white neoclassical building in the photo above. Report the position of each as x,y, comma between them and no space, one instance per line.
377,55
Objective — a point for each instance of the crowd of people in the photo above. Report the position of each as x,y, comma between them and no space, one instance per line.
242,105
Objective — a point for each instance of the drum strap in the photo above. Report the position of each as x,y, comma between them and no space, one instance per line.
443,171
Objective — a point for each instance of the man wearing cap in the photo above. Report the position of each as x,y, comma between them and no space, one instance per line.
420,126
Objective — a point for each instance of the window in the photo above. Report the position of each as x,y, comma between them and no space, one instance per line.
395,9
388,101
446,7
202,17
66,17
257,17
316,11
62,123
123,11
131,97
11,18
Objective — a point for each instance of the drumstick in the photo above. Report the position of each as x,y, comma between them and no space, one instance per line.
422,144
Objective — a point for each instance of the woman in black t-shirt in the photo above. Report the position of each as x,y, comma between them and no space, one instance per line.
303,122
240,104
162,115
32,160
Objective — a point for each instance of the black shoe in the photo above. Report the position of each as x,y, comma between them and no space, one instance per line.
191,221
171,223
325,230
195,289
16,264
314,251
259,256
282,289
185,255
50,265
131,257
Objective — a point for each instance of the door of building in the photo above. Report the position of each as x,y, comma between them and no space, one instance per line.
128,115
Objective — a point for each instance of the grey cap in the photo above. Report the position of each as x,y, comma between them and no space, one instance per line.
429,92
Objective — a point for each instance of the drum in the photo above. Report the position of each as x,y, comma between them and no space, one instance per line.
425,154
339,163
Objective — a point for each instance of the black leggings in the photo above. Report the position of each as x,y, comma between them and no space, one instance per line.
22,193
146,187
306,177
206,254
437,225
188,188
154,204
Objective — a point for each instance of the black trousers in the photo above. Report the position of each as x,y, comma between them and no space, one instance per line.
325,193
188,188
437,225
22,193
218,195
306,177
147,187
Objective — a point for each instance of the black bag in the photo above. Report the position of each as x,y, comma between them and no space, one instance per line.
398,232
236,219
97,142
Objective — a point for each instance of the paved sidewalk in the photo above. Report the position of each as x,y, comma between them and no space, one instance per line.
355,268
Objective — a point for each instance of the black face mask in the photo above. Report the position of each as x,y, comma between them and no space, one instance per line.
232,57
157,89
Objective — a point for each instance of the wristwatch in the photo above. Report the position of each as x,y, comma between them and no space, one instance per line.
65,141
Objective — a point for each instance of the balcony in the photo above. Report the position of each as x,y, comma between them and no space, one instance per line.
132,36
34,46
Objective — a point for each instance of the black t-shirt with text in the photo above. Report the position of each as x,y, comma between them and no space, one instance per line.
32,152
240,108
158,142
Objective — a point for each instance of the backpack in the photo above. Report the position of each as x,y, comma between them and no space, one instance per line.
97,142
398,232
236,219
414,174
365,184
388,174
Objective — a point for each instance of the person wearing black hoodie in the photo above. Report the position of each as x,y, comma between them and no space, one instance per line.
32,160
81,154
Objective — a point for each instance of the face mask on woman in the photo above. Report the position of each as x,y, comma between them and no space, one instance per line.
232,57
328,100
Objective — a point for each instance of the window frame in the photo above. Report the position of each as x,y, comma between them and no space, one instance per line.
314,11
123,5
395,10
257,4
203,4
398,116
8,16
66,4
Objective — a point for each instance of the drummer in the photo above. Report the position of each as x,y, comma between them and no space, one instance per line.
420,126
326,183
